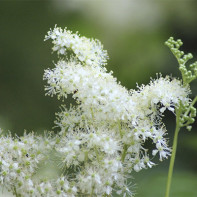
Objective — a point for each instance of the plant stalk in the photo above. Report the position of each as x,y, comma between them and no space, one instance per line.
170,171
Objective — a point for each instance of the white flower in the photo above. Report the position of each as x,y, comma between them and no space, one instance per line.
89,51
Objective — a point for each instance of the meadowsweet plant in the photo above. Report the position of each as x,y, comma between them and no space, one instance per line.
101,138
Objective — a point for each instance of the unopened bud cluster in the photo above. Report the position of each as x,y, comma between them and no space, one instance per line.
188,75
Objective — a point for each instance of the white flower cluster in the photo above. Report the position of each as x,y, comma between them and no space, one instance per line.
102,137
88,51
104,134
19,159
91,86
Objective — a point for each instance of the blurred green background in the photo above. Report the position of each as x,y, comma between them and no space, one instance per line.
133,32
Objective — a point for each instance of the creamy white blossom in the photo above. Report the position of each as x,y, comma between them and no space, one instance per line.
93,87
89,51
102,137
19,160
109,120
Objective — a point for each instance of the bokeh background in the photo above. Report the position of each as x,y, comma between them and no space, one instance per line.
132,31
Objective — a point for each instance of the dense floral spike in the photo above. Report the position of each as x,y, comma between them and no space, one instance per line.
109,121
101,139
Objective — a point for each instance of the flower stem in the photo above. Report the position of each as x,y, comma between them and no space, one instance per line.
124,153
15,193
175,140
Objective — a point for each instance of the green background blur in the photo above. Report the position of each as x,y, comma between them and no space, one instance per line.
133,32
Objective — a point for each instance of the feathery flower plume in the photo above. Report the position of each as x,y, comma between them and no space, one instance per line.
101,138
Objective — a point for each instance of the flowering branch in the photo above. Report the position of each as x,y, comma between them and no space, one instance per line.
101,138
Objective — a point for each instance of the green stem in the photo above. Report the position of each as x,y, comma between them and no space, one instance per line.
174,147
170,172
194,101
91,195
15,193
124,153
120,130
191,105
92,113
